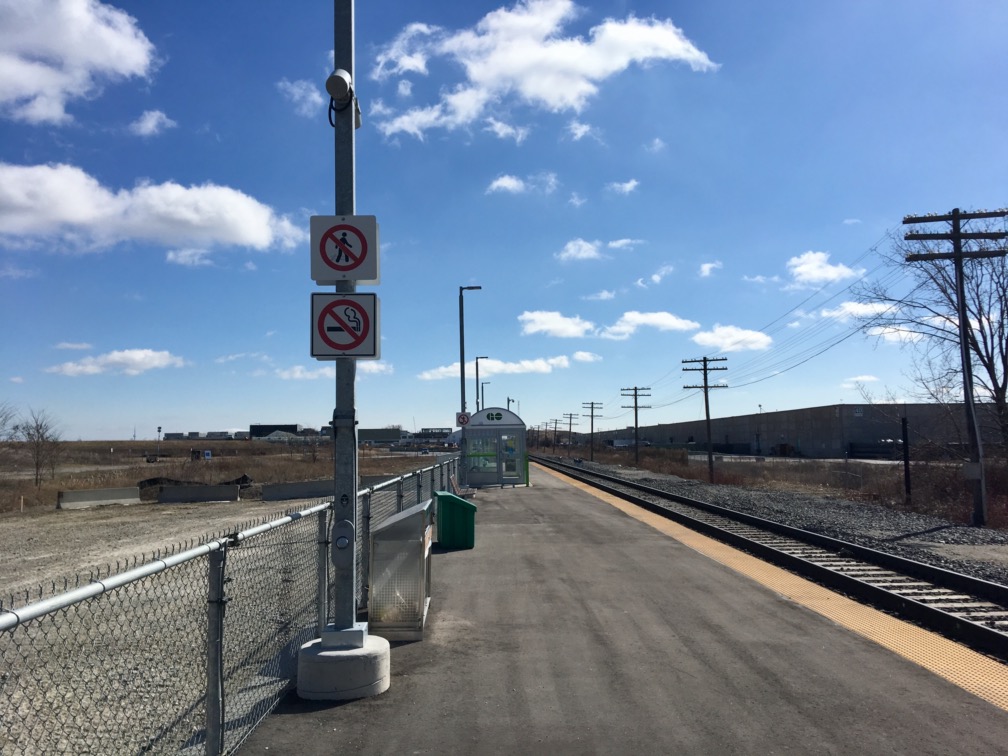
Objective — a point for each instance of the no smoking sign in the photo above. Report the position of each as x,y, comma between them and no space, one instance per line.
345,325
344,248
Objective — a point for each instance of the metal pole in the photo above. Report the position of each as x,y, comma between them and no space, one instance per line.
215,652
462,403
344,553
322,570
906,462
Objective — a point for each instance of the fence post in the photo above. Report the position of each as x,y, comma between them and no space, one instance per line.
322,572
365,571
216,602
419,486
399,495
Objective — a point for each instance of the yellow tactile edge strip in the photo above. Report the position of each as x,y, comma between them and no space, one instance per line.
971,671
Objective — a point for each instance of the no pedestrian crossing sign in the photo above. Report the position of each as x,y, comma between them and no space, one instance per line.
345,325
344,248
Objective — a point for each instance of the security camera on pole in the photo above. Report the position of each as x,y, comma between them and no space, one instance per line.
345,662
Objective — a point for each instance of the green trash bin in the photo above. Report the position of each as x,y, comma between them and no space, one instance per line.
456,521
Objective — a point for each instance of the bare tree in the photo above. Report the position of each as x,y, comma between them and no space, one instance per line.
925,318
8,422
38,432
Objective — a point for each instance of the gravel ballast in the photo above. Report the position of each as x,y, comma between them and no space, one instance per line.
979,552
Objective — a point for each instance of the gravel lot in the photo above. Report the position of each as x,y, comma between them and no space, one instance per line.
41,547
980,552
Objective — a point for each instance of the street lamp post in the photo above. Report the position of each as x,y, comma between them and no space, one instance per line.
478,398
759,418
159,441
463,289
483,393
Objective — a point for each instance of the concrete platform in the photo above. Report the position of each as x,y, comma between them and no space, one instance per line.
574,628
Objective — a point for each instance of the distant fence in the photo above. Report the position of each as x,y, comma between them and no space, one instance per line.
188,651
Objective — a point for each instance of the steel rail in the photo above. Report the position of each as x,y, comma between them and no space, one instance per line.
967,609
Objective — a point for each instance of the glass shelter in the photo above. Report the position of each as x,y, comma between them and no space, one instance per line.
496,453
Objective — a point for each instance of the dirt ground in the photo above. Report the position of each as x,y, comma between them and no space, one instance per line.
39,547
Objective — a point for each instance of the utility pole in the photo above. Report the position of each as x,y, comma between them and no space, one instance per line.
636,392
569,417
706,400
591,438
555,424
975,470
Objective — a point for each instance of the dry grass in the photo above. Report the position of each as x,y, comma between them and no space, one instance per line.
96,464
936,488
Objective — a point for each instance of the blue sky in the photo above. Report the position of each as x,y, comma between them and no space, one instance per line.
632,183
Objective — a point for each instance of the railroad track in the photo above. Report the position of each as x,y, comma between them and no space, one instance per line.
967,609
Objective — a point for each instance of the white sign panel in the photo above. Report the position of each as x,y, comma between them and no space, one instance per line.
344,248
345,325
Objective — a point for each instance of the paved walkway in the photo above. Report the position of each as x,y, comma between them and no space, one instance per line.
573,628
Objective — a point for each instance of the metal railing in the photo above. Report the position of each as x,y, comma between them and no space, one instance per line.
187,652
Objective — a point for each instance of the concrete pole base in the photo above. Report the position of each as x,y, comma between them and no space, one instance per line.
328,674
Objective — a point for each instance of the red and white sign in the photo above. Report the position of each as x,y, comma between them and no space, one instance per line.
345,325
462,419
344,248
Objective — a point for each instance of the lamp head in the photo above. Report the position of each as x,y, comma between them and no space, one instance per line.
339,85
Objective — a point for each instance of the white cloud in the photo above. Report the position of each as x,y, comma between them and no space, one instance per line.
63,202
630,322
579,249
520,54
301,373
848,310
506,131
241,356
374,367
404,88
13,272
655,145
761,279
545,182
813,269
82,346
576,199
189,258
732,339
151,123
662,272
52,52
586,357
623,188
851,221
554,324
857,381
125,361
601,296
895,335
540,365
578,130
706,269
305,95
507,183
624,243
16,379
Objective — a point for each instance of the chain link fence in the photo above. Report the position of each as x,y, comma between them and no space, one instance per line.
187,652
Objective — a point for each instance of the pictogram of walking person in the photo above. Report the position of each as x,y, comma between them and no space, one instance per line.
341,246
